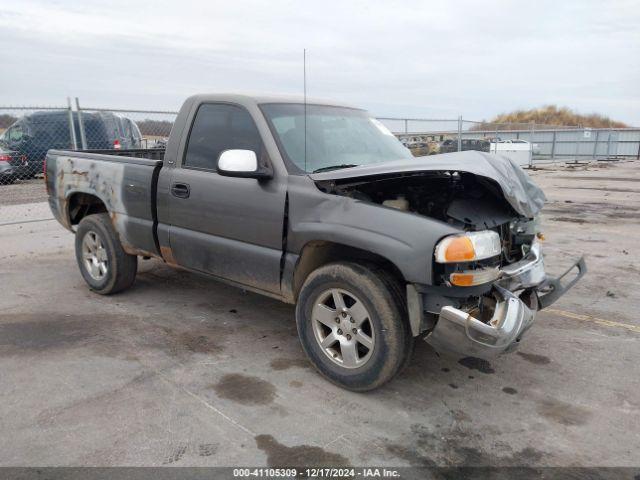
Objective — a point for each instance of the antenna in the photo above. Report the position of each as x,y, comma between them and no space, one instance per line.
304,87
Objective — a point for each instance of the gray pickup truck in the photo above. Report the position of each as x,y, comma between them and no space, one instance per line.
319,205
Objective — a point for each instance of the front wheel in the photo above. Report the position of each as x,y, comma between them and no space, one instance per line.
104,264
352,325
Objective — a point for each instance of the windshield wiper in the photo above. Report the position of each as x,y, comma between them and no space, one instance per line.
335,167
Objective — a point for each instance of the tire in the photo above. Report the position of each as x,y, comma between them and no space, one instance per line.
103,263
326,333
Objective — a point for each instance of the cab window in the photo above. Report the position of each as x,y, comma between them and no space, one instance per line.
216,128
15,133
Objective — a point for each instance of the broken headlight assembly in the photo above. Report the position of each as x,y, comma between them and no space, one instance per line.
470,247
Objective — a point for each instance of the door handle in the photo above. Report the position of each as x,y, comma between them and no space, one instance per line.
180,190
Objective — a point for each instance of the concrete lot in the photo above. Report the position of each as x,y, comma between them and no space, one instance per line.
23,191
181,370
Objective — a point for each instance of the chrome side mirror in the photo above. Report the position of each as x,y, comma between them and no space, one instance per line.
241,163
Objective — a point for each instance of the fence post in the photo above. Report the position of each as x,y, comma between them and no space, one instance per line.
595,146
83,137
460,133
532,127
406,125
579,144
72,130
553,146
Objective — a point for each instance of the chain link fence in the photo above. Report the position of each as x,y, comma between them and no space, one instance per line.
132,128
27,133
527,143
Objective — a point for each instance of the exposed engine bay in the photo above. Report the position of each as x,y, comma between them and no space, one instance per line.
458,198
461,199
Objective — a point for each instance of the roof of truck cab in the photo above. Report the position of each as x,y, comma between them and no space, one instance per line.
257,99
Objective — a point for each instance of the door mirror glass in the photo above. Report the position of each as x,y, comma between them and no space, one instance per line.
241,163
238,161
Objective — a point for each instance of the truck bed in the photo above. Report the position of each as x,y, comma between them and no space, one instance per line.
148,153
121,182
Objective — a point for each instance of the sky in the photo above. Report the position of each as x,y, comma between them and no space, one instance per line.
420,59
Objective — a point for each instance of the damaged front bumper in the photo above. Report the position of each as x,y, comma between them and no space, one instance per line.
459,332
522,289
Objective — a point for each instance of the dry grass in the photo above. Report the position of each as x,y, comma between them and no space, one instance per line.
553,115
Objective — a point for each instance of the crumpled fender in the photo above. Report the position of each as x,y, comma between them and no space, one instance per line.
405,239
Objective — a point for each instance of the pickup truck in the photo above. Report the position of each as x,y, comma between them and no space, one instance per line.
317,204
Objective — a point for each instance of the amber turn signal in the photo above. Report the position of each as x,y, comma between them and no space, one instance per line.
462,279
468,247
459,249
470,278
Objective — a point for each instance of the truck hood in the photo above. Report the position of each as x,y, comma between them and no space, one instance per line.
518,189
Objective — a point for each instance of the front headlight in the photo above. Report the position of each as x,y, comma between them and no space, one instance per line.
468,247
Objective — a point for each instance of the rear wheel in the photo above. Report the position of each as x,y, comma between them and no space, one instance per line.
352,325
104,264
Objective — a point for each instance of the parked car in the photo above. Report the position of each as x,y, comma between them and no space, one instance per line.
419,149
433,145
13,166
319,205
451,145
160,142
34,134
421,145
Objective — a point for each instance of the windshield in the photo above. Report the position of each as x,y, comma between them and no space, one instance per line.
337,137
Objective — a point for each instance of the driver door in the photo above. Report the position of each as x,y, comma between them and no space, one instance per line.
226,226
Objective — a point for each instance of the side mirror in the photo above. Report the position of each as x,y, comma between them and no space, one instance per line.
241,163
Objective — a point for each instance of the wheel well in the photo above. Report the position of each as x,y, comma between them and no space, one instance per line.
318,253
83,204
